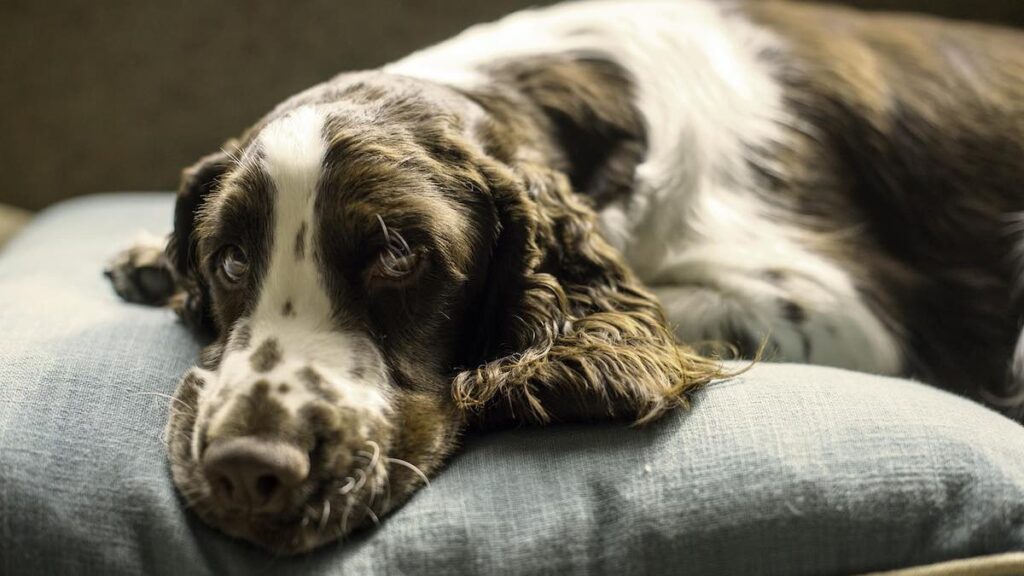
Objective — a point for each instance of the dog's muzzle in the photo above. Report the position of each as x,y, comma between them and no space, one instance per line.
281,439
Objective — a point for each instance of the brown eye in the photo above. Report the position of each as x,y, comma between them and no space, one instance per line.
233,264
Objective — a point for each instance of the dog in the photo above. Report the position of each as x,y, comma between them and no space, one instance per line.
553,216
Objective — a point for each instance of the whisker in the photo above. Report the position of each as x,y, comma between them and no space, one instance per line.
167,396
350,483
410,466
376,455
324,515
361,481
344,517
308,516
384,227
373,494
405,245
372,515
385,480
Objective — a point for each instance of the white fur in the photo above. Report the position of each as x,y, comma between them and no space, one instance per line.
694,220
293,154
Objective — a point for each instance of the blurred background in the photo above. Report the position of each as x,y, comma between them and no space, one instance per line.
121,95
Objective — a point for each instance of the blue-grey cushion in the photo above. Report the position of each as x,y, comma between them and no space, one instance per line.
784,470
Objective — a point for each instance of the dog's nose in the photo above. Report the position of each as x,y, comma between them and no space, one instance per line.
252,474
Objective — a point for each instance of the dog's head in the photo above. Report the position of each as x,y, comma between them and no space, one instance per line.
381,261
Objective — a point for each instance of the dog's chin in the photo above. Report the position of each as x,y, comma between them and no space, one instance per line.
280,535
296,534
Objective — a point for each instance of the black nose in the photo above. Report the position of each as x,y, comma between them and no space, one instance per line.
252,474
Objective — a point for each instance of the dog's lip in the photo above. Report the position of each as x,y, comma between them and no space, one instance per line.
298,534
276,532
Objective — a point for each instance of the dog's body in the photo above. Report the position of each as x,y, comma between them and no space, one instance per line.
466,235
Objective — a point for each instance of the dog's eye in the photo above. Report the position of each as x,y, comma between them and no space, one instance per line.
233,264
397,260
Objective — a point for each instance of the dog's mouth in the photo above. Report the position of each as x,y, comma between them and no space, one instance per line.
286,493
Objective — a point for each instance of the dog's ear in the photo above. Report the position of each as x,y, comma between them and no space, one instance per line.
570,333
198,182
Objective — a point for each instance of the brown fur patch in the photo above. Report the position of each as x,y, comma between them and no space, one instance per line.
300,242
794,312
258,414
315,383
586,104
266,357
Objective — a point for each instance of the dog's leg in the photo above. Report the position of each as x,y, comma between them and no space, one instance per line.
142,273
798,316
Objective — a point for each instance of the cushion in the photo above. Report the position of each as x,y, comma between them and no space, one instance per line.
783,470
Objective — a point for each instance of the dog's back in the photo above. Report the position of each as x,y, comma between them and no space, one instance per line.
845,181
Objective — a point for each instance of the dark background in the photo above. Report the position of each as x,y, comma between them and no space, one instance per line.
120,94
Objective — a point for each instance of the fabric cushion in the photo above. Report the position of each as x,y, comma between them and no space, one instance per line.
784,470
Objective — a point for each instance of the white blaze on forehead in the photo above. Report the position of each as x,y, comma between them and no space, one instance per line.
294,307
293,149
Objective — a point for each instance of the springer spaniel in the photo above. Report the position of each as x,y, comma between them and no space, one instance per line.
530,221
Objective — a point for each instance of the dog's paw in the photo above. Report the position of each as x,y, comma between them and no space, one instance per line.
142,274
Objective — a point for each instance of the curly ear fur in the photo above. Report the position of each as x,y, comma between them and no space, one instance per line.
577,337
198,181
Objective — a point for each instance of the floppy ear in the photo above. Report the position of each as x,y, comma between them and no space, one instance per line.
198,182
573,335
